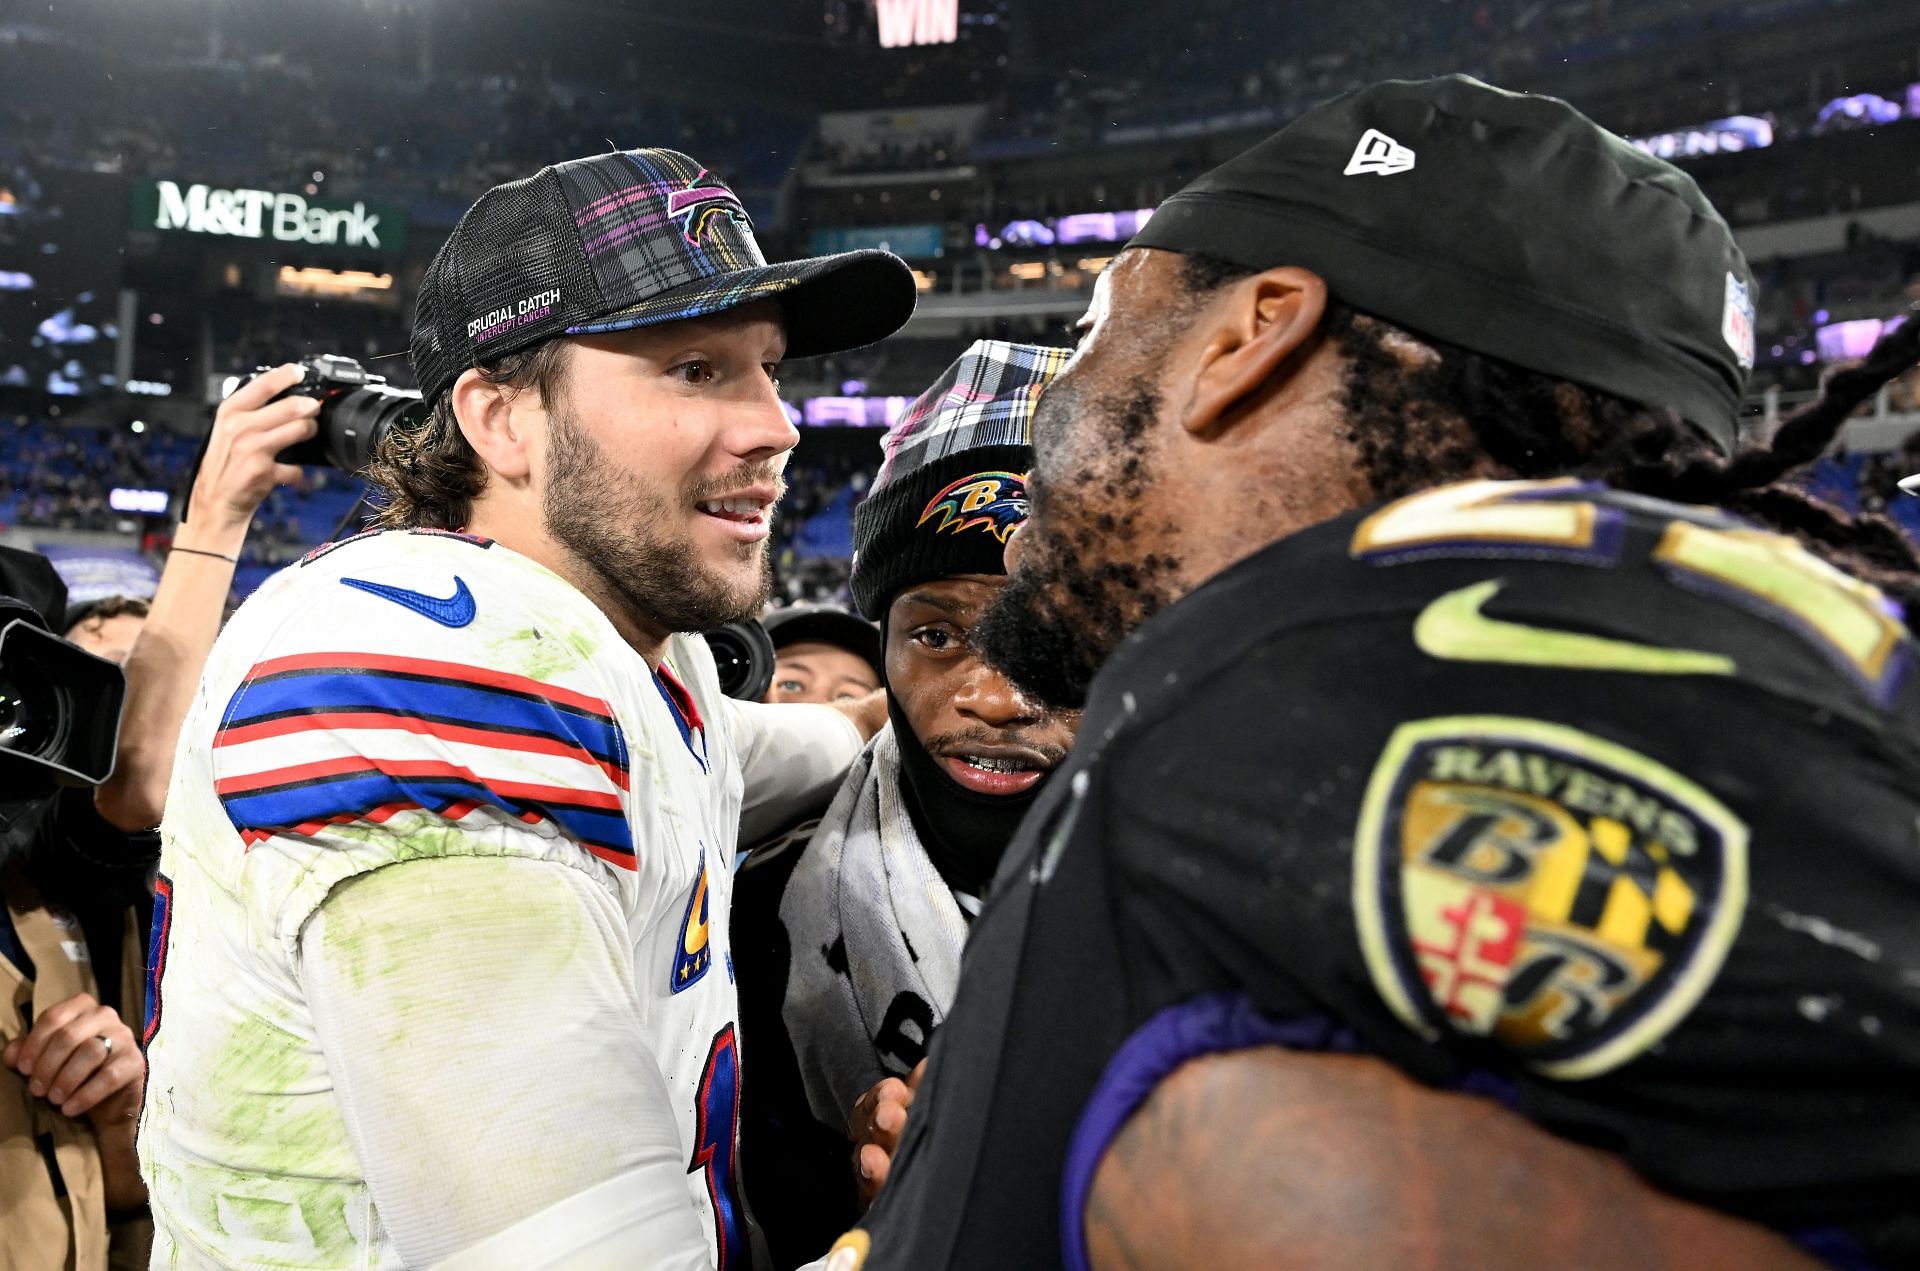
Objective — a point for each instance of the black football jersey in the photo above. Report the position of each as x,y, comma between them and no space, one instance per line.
1600,806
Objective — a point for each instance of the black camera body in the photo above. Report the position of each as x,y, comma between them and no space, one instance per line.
59,705
356,410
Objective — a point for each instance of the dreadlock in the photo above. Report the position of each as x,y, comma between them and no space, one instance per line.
1422,412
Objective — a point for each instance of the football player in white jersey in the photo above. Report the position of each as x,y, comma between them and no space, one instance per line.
440,969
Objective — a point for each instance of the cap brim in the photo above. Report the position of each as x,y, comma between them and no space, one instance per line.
829,303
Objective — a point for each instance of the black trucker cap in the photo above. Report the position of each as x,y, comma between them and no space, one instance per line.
826,624
1505,223
623,240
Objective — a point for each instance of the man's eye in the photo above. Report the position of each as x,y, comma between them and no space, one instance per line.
791,686
694,372
936,639
773,372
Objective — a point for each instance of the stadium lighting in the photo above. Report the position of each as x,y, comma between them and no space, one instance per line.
138,425
313,281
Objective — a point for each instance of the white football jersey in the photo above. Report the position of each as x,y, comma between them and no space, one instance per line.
402,695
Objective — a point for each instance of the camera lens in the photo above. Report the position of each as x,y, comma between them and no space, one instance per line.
357,420
743,659
731,659
31,719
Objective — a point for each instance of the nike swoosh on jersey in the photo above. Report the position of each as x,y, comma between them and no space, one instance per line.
456,610
1454,628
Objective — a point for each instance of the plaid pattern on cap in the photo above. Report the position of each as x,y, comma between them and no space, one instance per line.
984,399
627,240
952,485
665,239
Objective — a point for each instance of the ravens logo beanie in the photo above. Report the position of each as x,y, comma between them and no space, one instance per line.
952,484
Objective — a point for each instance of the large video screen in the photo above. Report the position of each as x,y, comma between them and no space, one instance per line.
61,243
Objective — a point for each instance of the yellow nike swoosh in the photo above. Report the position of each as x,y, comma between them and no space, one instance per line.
1453,628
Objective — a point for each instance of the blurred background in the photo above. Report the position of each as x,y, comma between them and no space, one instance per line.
193,188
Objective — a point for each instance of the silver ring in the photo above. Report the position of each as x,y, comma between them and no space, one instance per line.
106,1043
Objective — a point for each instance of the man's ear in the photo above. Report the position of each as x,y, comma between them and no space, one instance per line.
1260,325
488,419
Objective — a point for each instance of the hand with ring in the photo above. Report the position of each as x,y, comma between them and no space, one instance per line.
81,1057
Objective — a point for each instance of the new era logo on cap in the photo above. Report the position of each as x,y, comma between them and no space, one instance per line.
1380,155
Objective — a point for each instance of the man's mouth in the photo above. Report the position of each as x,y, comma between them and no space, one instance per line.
1000,772
742,516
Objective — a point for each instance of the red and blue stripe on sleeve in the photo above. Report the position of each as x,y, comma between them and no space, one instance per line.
328,738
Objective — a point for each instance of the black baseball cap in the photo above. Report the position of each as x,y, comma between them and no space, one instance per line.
624,240
826,624
1505,223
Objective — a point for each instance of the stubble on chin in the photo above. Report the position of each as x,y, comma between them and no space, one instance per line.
639,544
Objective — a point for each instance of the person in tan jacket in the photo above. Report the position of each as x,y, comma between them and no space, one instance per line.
71,1080
71,1072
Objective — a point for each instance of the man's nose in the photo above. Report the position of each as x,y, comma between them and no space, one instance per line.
991,698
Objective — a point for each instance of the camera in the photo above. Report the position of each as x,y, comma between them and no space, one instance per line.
356,410
743,656
59,705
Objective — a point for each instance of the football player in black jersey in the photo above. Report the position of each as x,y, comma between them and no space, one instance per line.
1468,859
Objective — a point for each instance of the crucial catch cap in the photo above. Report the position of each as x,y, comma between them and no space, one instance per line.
1508,224
630,239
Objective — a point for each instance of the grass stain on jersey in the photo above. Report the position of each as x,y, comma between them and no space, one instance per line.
541,653
290,1194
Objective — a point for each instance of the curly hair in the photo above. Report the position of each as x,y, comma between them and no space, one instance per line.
429,475
1421,412
105,609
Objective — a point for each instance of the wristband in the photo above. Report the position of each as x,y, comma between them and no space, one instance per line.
198,551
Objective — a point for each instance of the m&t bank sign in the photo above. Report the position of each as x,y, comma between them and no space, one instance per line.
272,215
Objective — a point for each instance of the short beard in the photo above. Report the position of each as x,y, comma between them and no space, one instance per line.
1064,610
621,530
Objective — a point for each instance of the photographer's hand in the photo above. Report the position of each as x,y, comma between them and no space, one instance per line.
81,1057
238,472
240,469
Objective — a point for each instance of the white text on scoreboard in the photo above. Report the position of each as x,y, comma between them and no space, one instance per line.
907,22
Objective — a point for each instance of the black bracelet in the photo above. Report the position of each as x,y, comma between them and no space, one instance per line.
198,551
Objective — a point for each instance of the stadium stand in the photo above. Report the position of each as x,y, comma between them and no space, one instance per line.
962,157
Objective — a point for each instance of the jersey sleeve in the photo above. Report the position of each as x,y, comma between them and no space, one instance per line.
364,735
1484,861
792,759
1615,847
436,987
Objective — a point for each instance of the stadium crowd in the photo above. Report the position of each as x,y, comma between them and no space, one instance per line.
1367,683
